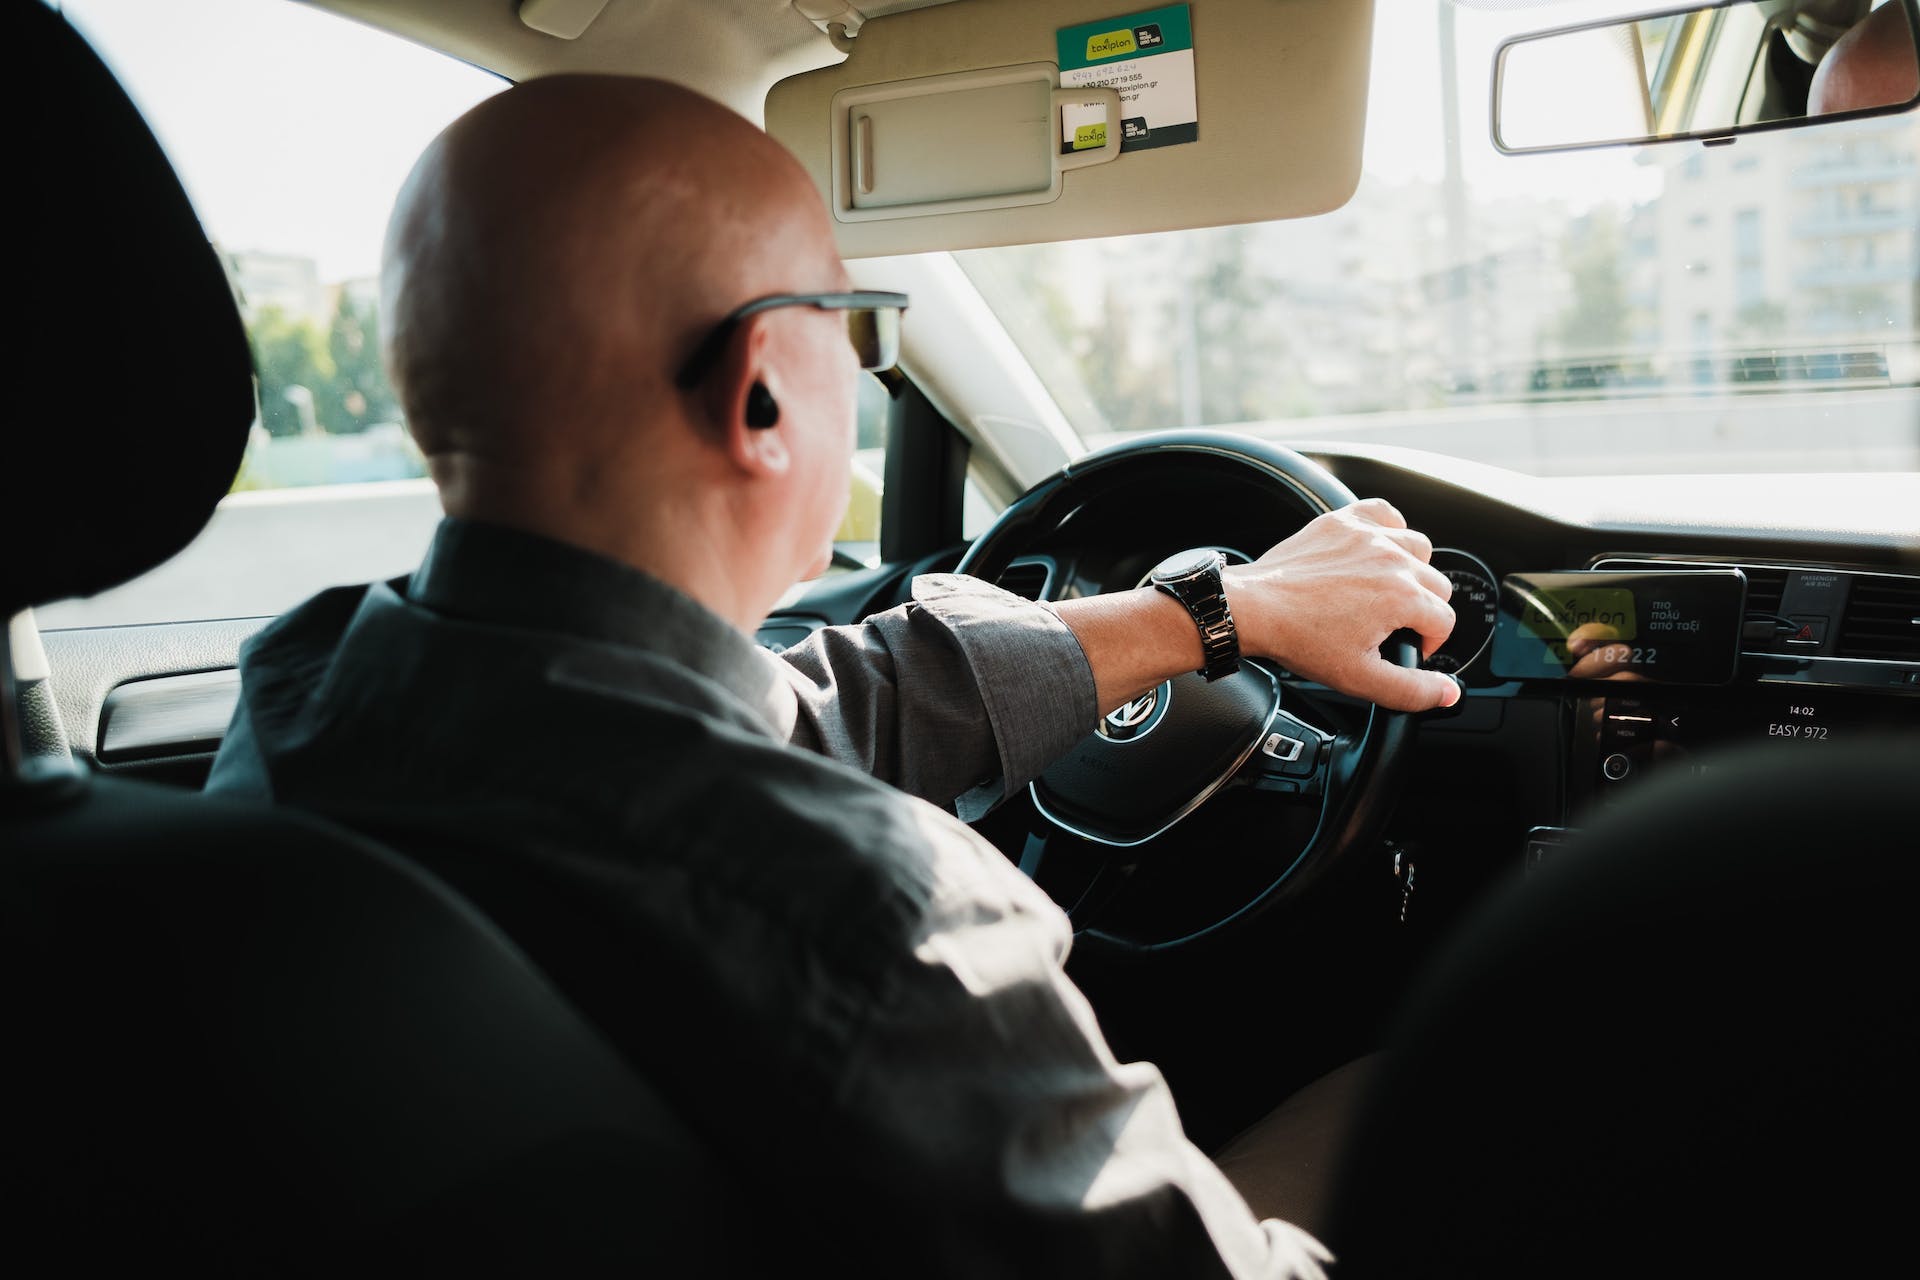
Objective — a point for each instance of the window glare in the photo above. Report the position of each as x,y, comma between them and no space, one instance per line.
291,128
292,131
1658,309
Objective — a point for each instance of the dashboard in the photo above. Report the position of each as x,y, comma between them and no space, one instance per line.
1703,655
1827,649
1597,656
1786,640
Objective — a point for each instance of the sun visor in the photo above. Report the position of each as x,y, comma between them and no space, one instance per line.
1011,121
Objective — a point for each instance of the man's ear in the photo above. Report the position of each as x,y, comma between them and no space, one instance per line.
741,396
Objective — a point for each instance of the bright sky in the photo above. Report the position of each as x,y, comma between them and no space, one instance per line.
1404,123
302,150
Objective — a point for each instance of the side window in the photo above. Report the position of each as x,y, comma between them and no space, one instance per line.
859,537
858,540
292,130
977,510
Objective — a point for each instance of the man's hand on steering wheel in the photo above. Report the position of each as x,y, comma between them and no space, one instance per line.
1338,603
1323,601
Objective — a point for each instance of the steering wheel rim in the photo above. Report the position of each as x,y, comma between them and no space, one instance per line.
1353,778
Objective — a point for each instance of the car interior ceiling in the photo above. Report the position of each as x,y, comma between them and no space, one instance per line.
1583,1044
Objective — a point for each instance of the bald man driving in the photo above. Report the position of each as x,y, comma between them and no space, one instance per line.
1871,65
624,341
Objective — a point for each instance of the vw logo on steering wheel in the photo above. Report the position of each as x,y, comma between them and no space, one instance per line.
1134,720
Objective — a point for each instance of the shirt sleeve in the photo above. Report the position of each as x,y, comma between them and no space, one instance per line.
1004,1137
959,697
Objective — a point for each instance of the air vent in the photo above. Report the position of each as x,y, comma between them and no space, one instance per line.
1763,626
1026,578
1764,589
1882,620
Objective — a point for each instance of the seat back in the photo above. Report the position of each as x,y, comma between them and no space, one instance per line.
246,1041
240,1041
111,468
1687,1047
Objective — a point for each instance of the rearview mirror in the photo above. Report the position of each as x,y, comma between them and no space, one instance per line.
1708,72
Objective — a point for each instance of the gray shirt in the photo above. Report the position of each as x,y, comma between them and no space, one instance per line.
859,1004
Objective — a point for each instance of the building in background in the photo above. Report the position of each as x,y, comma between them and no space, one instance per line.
286,282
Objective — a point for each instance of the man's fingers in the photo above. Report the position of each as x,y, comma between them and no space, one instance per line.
1380,511
1434,621
1435,581
1404,689
1415,543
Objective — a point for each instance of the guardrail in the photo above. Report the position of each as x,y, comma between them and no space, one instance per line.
1739,370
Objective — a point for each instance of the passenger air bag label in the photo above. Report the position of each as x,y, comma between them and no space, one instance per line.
1147,58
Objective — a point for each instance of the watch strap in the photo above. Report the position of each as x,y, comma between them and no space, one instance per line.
1205,600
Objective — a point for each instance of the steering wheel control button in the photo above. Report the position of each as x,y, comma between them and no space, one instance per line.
1282,748
1616,766
1290,749
1193,578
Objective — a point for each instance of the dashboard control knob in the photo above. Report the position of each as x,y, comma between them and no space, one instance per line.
1616,766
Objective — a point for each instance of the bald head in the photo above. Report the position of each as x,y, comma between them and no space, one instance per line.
552,261
559,248
1872,65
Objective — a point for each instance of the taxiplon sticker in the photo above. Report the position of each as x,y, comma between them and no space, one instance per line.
1147,58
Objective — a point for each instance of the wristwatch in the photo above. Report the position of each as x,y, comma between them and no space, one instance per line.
1193,578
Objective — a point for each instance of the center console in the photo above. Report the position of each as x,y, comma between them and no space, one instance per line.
1623,738
1789,659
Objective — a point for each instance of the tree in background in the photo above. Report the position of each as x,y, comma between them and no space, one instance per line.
1167,332
1597,319
1238,349
1031,288
288,354
340,370
1137,394
359,393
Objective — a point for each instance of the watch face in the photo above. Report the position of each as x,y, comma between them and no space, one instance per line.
1185,563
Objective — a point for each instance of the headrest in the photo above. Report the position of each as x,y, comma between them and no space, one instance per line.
129,413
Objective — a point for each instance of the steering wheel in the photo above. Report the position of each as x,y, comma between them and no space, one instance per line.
1120,800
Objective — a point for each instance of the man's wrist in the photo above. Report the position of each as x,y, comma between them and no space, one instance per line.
1267,622
1132,640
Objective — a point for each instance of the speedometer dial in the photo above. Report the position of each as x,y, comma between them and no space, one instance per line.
1476,598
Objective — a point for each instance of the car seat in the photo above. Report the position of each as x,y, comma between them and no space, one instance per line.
1686,1046
240,1040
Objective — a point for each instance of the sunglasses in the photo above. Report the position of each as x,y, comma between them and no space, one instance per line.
873,327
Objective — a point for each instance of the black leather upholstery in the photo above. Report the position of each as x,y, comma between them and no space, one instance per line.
1687,1048
248,1043
123,435
41,727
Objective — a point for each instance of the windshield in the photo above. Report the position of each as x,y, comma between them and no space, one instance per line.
1678,308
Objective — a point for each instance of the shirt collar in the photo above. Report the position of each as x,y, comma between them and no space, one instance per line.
491,573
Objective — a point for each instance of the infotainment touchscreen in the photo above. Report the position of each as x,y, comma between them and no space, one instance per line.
1664,628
